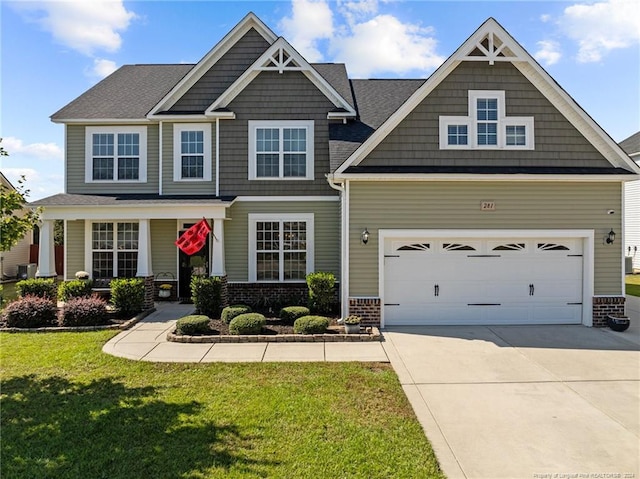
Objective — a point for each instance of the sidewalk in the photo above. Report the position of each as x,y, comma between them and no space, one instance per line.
146,341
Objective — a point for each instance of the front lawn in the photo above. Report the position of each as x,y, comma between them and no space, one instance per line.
70,411
632,284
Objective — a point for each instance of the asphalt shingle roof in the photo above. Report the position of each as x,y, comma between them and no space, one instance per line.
65,199
631,145
128,93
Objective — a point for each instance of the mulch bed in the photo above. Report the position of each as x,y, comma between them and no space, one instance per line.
273,327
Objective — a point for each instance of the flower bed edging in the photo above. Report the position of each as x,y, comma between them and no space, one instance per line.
374,335
75,329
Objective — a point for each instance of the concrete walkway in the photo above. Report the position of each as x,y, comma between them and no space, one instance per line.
146,341
524,401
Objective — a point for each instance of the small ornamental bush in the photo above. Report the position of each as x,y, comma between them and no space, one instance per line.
231,312
311,325
43,288
84,311
76,288
127,295
289,314
248,323
206,294
31,312
321,294
193,325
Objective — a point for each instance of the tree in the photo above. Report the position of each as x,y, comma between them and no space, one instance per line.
17,218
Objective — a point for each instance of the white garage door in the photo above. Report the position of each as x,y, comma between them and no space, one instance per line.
483,281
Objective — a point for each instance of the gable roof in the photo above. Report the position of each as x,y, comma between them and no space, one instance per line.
281,57
138,89
631,145
250,21
492,43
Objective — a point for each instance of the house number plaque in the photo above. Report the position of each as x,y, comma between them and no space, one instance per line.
488,206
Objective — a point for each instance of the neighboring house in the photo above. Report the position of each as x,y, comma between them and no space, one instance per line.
479,195
19,254
632,206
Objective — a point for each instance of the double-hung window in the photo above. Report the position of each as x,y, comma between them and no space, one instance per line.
116,154
281,150
192,152
487,126
281,247
114,249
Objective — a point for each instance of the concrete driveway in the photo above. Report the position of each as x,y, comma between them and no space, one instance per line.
524,401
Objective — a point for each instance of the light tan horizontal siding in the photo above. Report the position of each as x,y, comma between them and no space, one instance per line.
74,248
326,229
164,253
449,205
75,162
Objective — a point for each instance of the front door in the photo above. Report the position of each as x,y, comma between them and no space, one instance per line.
196,264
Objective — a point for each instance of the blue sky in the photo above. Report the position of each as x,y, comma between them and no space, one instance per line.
53,51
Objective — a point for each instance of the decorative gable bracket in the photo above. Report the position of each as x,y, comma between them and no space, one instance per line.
280,61
491,48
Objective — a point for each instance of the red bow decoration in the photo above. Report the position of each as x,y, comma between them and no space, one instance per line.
194,239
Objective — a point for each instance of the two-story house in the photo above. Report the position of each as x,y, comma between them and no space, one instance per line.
482,194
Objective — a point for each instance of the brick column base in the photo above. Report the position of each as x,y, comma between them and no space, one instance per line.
604,306
224,291
149,292
367,308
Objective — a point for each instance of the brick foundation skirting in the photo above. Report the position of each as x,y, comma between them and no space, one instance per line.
149,291
604,306
367,308
271,295
224,291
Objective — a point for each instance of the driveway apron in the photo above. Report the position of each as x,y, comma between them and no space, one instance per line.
524,401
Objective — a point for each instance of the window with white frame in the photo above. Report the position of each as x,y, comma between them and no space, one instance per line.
116,154
192,152
281,150
280,247
486,126
114,250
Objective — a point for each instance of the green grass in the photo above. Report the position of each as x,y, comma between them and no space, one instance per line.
632,284
70,411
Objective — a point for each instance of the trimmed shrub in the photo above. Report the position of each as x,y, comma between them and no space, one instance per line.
206,294
84,311
248,323
77,288
231,312
127,295
193,325
289,314
41,287
31,312
321,295
311,325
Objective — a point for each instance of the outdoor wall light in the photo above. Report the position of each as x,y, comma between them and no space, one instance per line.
364,237
611,237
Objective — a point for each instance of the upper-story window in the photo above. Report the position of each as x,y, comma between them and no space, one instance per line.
487,126
281,150
116,154
192,152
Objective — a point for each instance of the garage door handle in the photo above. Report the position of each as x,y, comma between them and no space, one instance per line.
532,290
436,290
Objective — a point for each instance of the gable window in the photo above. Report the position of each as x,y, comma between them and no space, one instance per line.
281,150
192,152
114,250
281,247
487,126
116,154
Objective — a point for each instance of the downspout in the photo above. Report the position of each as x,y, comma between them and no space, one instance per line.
160,160
344,247
217,156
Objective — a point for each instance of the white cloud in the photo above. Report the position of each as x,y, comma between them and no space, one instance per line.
367,41
548,52
545,18
43,151
311,21
102,68
601,27
386,45
85,26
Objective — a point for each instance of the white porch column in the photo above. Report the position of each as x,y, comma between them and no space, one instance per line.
46,252
144,249
217,263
